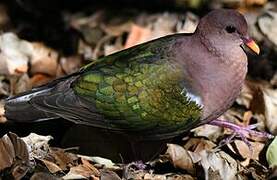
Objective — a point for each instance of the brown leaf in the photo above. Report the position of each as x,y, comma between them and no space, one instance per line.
70,64
61,158
179,157
270,101
209,131
255,2
219,165
242,149
7,152
43,60
107,163
39,79
44,176
23,84
108,175
52,167
116,30
199,144
14,154
137,35
82,170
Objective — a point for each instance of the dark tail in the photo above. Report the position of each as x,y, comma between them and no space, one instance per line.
19,108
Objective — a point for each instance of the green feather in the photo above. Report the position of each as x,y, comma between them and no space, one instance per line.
141,88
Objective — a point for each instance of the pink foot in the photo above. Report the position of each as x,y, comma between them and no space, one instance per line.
242,132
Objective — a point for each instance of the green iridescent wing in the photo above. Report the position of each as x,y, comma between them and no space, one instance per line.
141,92
139,89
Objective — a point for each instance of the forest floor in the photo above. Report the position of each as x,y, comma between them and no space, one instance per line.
41,42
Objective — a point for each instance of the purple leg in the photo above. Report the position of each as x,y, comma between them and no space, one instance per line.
242,132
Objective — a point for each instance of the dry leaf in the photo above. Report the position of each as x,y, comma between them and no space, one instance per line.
14,153
37,145
108,175
107,163
242,149
61,158
190,24
23,84
39,79
116,30
44,176
267,24
14,54
255,2
82,171
179,157
71,64
219,165
52,167
43,60
270,101
199,144
209,131
7,153
137,35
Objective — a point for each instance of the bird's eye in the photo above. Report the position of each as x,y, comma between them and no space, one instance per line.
230,29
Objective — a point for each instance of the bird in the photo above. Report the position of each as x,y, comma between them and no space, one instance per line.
156,90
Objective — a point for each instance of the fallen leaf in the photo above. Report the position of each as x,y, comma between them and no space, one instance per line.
71,64
52,167
14,54
38,146
209,131
43,60
219,165
189,25
23,84
179,157
116,30
14,154
81,171
7,153
270,101
108,175
199,144
243,149
44,176
255,2
39,79
267,24
61,158
107,163
137,35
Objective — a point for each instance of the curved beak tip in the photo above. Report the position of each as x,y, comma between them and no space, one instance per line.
253,46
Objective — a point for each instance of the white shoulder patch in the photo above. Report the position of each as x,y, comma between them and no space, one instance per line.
192,97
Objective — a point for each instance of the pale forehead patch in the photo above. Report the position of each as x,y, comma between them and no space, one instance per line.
192,97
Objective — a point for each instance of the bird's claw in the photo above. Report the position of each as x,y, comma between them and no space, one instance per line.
242,132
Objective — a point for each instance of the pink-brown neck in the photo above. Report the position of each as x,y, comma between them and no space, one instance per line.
217,68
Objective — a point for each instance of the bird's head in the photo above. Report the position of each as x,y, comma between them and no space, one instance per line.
227,25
